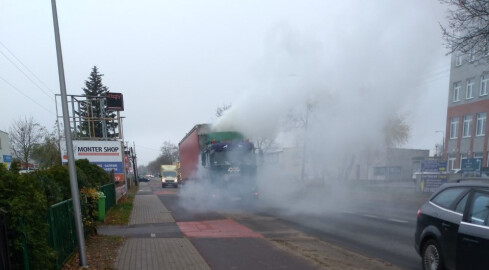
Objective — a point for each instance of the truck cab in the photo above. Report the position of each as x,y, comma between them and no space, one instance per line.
169,176
228,162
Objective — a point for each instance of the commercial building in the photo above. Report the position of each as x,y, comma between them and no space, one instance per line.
5,156
468,106
389,164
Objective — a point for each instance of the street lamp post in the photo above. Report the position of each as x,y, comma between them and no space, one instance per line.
442,143
75,193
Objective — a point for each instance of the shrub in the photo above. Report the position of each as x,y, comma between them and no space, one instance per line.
89,198
92,176
27,197
24,199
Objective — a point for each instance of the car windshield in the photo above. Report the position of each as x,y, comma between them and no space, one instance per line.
234,157
170,174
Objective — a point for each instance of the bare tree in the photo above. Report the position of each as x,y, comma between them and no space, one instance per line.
396,131
169,154
220,110
468,26
24,135
47,152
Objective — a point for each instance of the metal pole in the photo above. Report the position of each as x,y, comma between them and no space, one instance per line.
69,144
305,140
73,113
135,163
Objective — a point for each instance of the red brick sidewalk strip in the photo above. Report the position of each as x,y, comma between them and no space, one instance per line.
224,228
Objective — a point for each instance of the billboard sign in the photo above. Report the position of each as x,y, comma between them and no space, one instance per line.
471,164
106,154
433,166
7,158
431,182
115,101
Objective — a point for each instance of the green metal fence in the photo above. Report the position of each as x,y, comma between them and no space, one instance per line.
62,231
109,191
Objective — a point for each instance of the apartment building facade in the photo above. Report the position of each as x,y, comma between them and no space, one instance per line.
466,133
5,156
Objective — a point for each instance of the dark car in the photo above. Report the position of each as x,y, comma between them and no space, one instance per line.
452,230
143,179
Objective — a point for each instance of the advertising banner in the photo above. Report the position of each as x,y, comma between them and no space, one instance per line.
431,182
433,166
7,158
106,154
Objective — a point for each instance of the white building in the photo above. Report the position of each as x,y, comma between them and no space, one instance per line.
5,156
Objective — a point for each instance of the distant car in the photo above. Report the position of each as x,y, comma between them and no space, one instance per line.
457,171
143,179
452,230
27,171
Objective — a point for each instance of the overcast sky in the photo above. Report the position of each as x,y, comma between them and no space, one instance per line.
177,61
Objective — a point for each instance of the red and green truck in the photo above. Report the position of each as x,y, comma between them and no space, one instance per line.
223,158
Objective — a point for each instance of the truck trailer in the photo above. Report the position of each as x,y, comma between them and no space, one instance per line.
221,158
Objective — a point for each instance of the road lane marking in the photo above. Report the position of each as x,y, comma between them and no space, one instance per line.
371,216
397,220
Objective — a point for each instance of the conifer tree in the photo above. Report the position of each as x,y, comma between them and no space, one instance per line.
93,111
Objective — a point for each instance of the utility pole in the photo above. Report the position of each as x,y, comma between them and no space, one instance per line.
133,157
75,193
442,144
308,108
134,162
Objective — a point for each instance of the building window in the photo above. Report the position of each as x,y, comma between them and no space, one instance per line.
467,126
470,89
481,124
472,55
484,82
379,171
454,128
479,156
456,92
451,163
458,59
394,170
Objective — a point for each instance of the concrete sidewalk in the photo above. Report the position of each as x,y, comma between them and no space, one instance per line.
153,240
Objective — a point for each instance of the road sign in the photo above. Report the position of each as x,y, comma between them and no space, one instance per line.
471,164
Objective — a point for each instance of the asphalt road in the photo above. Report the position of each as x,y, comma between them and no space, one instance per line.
373,224
372,229
222,242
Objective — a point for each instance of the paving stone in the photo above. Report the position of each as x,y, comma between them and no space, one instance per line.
149,209
159,253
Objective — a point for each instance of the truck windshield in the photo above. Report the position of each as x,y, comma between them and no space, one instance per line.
169,174
235,157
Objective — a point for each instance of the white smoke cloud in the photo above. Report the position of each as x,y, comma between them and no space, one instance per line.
356,73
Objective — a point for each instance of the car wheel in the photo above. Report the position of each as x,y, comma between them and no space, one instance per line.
431,257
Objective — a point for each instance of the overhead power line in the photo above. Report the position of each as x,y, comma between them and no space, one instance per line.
27,96
26,75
